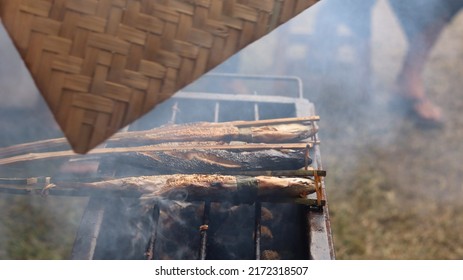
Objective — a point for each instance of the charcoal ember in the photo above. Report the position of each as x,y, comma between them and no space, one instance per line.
266,214
270,255
265,232
177,232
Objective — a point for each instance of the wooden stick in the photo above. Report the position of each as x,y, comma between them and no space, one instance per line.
37,146
125,150
286,173
275,121
192,187
269,131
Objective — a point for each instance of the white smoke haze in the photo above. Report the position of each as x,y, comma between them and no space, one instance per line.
394,189
18,89
386,176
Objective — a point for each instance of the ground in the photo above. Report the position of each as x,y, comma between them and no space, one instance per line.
394,189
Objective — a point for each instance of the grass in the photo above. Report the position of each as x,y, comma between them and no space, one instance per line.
38,227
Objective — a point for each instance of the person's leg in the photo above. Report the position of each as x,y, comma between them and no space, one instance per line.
410,81
422,23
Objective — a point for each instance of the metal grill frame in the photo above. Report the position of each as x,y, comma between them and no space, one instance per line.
317,231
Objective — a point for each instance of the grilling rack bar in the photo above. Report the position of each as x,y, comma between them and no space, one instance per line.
149,254
203,230
314,205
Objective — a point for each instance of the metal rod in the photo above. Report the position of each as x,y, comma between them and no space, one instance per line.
89,229
203,231
256,109
174,112
25,181
309,119
306,157
257,229
317,153
258,208
216,111
214,96
149,253
261,77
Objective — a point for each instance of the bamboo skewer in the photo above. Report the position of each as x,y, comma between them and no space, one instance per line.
300,172
264,131
37,146
124,150
275,121
184,187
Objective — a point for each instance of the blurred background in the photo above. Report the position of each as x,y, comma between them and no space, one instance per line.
394,188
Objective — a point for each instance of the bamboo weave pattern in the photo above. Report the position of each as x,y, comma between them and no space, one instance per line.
101,64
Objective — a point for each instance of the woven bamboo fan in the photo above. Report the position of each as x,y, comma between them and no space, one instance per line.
101,64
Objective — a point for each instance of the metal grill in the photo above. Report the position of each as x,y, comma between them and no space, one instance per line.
228,97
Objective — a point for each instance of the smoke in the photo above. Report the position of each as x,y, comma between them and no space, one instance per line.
373,150
23,113
348,55
17,88
30,227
